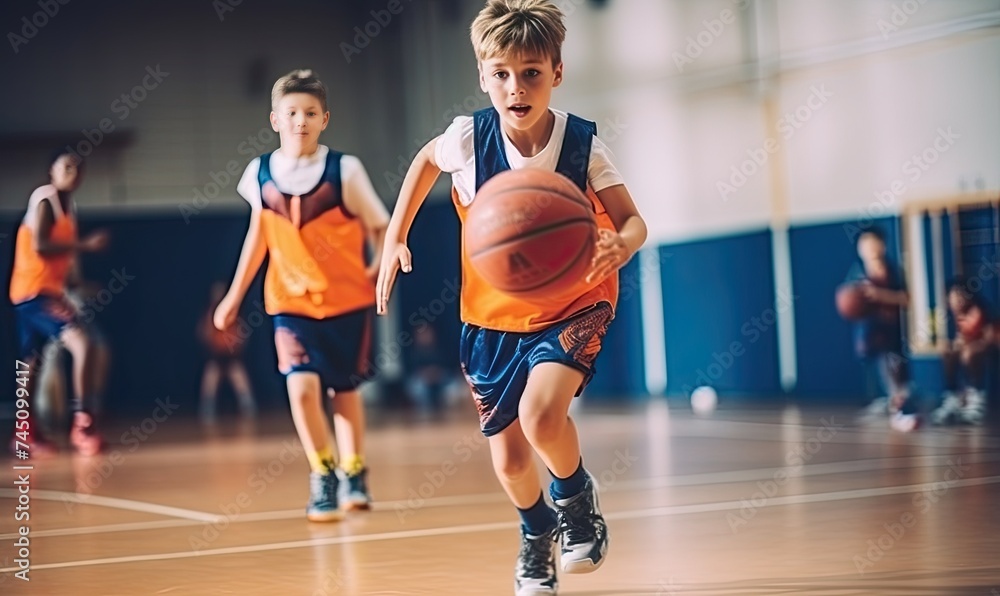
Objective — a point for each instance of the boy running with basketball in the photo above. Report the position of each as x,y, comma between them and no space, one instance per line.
527,361
312,211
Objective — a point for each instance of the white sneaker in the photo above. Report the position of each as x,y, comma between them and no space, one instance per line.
904,423
975,407
949,408
582,530
535,574
878,408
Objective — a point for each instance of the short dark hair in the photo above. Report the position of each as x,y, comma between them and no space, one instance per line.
873,231
64,150
960,284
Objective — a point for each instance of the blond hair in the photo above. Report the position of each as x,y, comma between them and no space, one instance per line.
533,27
299,81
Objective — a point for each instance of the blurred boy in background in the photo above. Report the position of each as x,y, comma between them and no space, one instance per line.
224,358
878,337
966,361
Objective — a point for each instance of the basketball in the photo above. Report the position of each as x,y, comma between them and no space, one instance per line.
530,233
851,302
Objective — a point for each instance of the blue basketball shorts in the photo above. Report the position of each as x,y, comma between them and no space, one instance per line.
338,348
497,363
40,319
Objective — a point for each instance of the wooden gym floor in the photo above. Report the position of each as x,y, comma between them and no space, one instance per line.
782,501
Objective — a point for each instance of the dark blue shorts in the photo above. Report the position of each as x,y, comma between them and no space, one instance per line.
497,363
40,319
338,349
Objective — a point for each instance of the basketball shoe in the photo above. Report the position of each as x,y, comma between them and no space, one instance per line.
535,573
582,530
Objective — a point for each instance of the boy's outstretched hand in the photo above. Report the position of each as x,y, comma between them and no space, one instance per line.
610,255
394,258
225,313
96,241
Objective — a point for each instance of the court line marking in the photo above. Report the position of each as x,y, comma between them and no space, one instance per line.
841,495
109,528
489,527
839,467
480,498
113,502
849,430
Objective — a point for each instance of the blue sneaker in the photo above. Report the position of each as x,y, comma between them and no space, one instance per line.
535,574
582,530
354,491
323,498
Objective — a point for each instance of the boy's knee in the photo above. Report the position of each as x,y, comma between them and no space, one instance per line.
514,466
304,396
542,424
77,341
304,401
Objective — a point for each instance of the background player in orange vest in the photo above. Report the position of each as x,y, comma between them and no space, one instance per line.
312,210
525,362
46,245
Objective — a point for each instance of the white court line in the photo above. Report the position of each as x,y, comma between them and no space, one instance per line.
848,432
472,528
106,528
842,495
840,467
620,486
82,499
280,546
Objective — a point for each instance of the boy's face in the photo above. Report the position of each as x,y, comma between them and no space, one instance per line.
520,87
957,301
871,248
298,119
65,173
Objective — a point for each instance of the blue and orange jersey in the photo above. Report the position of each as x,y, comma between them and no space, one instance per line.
316,247
485,306
34,274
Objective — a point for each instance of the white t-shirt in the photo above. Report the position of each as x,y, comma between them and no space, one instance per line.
42,193
297,176
455,153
